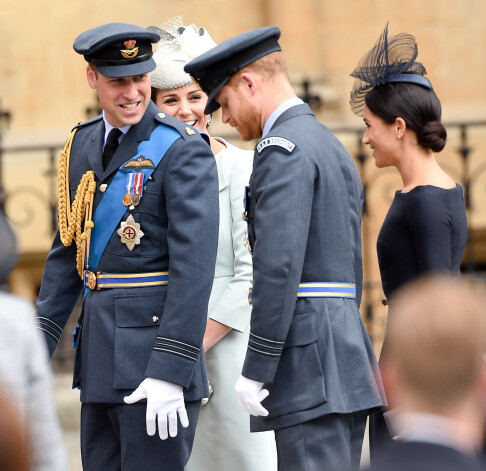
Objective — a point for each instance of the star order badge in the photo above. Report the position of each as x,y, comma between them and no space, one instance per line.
130,233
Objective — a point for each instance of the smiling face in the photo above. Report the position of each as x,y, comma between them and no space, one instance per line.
186,104
382,139
124,99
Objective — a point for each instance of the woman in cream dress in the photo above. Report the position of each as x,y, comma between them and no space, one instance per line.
223,440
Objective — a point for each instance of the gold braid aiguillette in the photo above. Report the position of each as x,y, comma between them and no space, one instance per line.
71,218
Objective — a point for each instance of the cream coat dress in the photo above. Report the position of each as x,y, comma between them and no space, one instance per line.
223,441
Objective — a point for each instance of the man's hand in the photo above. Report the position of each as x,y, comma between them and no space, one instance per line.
164,401
250,394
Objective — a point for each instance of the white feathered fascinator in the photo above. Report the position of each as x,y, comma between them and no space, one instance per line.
178,45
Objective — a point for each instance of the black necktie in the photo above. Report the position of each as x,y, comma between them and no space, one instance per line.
110,146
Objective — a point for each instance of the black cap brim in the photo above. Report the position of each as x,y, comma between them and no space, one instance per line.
212,105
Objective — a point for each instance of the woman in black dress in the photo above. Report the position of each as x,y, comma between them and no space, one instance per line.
425,229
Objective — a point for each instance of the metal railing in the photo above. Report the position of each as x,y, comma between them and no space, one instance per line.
469,169
466,146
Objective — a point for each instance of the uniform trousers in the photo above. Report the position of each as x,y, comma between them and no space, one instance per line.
114,438
329,443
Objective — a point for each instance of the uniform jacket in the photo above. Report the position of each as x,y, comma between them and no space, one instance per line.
424,456
313,354
223,440
128,334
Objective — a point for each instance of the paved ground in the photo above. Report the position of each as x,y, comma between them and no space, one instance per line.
69,408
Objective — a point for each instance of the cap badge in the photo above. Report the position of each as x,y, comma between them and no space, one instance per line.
131,51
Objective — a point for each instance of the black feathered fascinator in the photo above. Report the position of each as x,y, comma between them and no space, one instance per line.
390,60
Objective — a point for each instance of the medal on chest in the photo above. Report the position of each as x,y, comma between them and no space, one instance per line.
134,187
130,233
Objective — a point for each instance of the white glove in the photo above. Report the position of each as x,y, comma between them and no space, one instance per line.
250,394
164,401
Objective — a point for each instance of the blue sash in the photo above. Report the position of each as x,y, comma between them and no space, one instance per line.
111,208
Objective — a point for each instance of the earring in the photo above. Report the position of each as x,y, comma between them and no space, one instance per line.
399,136
210,120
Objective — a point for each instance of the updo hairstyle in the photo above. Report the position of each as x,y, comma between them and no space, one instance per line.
418,106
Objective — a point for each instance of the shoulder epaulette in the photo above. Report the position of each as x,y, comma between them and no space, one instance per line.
182,128
87,123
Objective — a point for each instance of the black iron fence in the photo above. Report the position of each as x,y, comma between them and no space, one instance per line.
464,158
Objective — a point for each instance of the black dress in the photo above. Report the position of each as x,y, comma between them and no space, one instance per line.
424,232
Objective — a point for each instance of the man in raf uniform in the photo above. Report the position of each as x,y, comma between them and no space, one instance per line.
308,350
145,223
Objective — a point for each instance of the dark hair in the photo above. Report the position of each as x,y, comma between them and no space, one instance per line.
153,93
418,106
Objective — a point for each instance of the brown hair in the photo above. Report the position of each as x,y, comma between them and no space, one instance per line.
267,66
153,93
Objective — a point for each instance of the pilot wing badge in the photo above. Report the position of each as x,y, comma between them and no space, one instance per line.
275,141
139,162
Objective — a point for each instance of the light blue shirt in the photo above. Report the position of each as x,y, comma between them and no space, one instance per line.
109,127
277,112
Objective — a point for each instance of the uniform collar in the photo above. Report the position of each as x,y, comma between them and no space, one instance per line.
279,111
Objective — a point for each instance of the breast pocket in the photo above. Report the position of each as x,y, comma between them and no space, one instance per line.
137,321
299,379
151,230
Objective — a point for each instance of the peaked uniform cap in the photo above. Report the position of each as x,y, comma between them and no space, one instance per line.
118,49
214,68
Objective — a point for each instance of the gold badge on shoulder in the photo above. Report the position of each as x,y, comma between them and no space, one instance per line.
130,233
190,131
